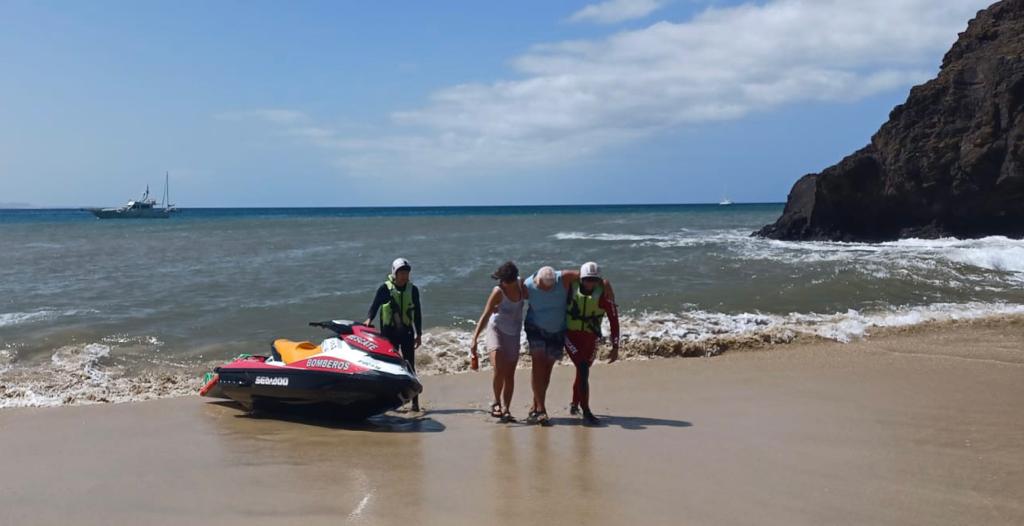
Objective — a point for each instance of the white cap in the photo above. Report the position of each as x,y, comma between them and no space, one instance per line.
590,270
400,263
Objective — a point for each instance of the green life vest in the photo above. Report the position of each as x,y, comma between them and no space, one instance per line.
583,312
400,303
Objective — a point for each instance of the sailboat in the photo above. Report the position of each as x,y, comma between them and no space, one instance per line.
144,208
725,200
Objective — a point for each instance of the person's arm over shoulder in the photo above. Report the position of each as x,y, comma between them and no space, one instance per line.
417,313
608,290
569,277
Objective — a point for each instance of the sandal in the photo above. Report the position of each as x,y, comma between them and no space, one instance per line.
507,418
496,410
538,417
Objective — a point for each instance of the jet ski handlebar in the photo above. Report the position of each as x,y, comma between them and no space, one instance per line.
335,326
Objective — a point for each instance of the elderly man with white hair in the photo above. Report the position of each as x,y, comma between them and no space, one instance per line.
547,292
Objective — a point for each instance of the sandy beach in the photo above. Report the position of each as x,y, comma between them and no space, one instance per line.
919,426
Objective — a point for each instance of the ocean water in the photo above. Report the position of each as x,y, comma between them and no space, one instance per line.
94,311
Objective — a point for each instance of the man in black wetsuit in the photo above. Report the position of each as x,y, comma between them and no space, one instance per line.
401,322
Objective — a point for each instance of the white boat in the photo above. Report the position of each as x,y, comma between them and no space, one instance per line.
144,208
725,200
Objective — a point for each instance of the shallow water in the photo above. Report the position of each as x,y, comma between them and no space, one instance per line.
122,310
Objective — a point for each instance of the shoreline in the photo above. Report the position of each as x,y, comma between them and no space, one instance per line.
922,425
69,377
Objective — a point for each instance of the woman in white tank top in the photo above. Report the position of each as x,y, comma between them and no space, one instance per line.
503,319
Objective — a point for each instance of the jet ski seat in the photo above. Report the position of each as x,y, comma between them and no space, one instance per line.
294,351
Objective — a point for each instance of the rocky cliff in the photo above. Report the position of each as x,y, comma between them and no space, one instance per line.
949,162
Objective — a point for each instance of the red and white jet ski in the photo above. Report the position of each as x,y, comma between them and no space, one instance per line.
353,375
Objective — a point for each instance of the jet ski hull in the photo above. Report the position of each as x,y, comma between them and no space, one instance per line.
353,375
349,396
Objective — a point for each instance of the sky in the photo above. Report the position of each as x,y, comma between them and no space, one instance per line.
266,103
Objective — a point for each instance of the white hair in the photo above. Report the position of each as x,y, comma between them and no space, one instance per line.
546,275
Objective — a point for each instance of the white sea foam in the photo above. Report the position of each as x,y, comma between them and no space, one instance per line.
8,319
676,239
76,374
6,358
912,258
609,237
127,339
11,319
841,326
994,253
84,374
698,332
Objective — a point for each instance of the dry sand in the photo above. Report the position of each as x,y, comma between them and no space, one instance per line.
914,427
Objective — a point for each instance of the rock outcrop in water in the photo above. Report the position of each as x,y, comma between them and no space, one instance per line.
949,162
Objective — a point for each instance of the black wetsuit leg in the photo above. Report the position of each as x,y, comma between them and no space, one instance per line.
406,345
583,379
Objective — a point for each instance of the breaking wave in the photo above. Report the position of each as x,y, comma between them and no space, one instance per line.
15,318
702,333
996,254
612,237
87,374
78,374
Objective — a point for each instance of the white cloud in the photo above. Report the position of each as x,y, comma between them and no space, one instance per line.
613,11
575,98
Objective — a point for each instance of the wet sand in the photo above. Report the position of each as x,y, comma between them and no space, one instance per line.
921,426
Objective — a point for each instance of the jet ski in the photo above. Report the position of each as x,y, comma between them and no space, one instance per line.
353,375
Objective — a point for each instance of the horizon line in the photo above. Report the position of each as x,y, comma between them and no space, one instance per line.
707,203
